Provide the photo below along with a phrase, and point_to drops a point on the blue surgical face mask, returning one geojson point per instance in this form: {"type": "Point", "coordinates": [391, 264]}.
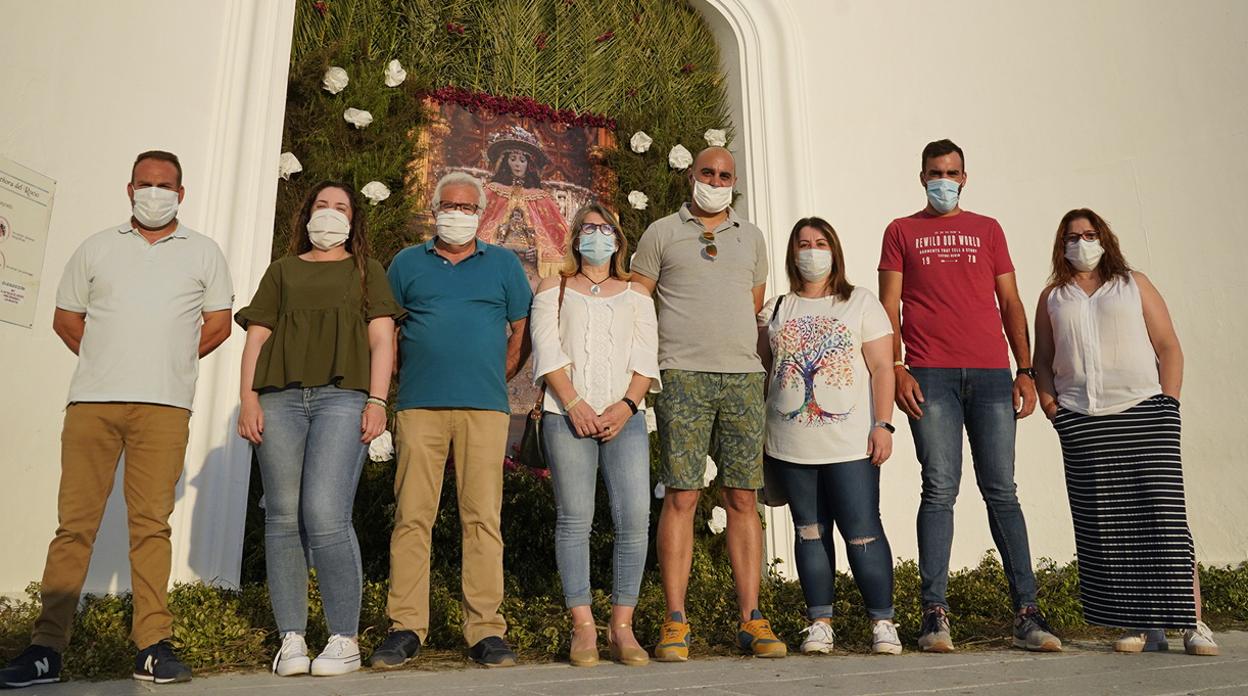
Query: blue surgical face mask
{"type": "Point", "coordinates": [596, 249]}
{"type": "Point", "coordinates": [943, 194]}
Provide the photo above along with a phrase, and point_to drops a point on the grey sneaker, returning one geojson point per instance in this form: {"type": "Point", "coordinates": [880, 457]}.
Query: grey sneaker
{"type": "Point", "coordinates": [1148, 640]}
{"type": "Point", "coordinates": [1032, 632]}
{"type": "Point", "coordinates": [934, 631]}
{"type": "Point", "coordinates": [1199, 640]}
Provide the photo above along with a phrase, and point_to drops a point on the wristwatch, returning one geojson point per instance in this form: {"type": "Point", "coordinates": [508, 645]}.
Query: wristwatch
{"type": "Point", "coordinates": [632, 405]}
{"type": "Point", "coordinates": [885, 425]}
{"type": "Point", "coordinates": [1029, 371]}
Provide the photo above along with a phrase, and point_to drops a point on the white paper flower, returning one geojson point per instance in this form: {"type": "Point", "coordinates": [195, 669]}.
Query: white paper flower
{"type": "Point", "coordinates": [659, 491]}
{"type": "Point", "coordinates": [640, 142]}
{"type": "Point", "coordinates": [395, 74]}
{"type": "Point", "coordinates": [716, 137]}
{"type": "Point", "coordinates": [719, 520]}
{"type": "Point", "coordinates": [288, 164]}
{"type": "Point", "coordinates": [357, 117]}
{"type": "Point", "coordinates": [381, 449]}
{"type": "Point", "coordinates": [638, 200]}
{"type": "Point", "coordinates": [335, 80]}
{"type": "Point", "coordinates": [375, 192]}
{"type": "Point", "coordinates": [679, 157]}
{"type": "Point", "coordinates": [710, 473]}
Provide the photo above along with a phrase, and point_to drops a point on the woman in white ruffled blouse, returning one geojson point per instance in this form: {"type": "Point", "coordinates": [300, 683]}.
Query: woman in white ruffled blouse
{"type": "Point", "coordinates": [595, 344]}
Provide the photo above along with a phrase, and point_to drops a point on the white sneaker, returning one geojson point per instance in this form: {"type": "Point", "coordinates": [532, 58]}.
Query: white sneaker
{"type": "Point", "coordinates": [292, 658]}
{"type": "Point", "coordinates": [1199, 640]}
{"type": "Point", "coordinates": [884, 640]}
{"type": "Point", "coordinates": [819, 638]}
{"type": "Point", "coordinates": [341, 656]}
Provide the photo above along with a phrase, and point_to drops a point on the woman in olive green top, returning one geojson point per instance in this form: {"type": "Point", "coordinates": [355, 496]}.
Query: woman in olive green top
{"type": "Point", "coordinates": [316, 370]}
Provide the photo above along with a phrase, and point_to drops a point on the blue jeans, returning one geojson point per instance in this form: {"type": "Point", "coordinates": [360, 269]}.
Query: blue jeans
{"type": "Point", "coordinates": [574, 464]}
{"type": "Point", "coordinates": [982, 400]}
{"type": "Point", "coordinates": [310, 462]}
{"type": "Point", "coordinates": [846, 494]}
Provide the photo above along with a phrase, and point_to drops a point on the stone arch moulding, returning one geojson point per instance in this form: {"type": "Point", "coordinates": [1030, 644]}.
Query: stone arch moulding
{"type": "Point", "coordinates": [760, 55]}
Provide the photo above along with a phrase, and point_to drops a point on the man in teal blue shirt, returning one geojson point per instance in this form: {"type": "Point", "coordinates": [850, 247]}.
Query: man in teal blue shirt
{"type": "Point", "coordinates": [465, 335]}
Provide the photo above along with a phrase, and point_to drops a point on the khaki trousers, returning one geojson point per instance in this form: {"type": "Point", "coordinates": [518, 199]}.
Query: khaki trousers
{"type": "Point", "coordinates": [153, 438]}
{"type": "Point", "coordinates": [478, 439]}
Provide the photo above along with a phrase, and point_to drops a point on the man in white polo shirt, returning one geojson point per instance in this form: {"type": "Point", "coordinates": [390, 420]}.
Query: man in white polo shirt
{"type": "Point", "coordinates": [139, 304]}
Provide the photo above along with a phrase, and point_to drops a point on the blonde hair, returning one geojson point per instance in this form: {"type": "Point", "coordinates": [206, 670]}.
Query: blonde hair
{"type": "Point", "coordinates": [572, 262]}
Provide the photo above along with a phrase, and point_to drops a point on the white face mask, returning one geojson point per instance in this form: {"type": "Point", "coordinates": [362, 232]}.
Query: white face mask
{"type": "Point", "coordinates": [814, 264]}
{"type": "Point", "coordinates": [711, 199]}
{"type": "Point", "coordinates": [328, 228]}
{"type": "Point", "coordinates": [154, 207]}
{"type": "Point", "coordinates": [456, 228]}
{"type": "Point", "coordinates": [1084, 255]}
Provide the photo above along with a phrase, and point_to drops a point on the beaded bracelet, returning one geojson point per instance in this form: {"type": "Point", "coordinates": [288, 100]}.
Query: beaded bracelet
{"type": "Point", "coordinates": [568, 406]}
{"type": "Point", "coordinates": [375, 401]}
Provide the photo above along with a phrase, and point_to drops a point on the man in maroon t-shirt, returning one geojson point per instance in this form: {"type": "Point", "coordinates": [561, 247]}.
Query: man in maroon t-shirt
{"type": "Point", "coordinates": [950, 270]}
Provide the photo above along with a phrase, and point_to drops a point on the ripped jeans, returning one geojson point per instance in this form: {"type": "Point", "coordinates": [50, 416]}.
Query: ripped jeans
{"type": "Point", "coordinates": [846, 494]}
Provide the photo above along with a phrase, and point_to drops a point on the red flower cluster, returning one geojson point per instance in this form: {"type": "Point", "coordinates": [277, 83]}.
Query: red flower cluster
{"type": "Point", "coordinates": [520, 106]}
{"type": "Point", "coordinates": [540, 41]}
{"type": "Point", "coordinates": [604, 36]}
{"type": "Point", "coordinates": [688, 68]}
{"type": "Point", "coordinates": [453, 28]}
{"type": "Point", "coordinates": [321, 7]}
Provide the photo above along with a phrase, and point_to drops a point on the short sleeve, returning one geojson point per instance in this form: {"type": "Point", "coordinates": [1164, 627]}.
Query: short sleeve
{"type": "Point", "coordinates": [267, 301]}
{"type": "Point", "coordinates": [1001, 263]}
{"type": "Point", "coordinates": [760, 259]}
{"type": "Point", "coordinates": [548, 352]}
{"type": "Point", "coordinates": [892, 255]}
{"type": "Point", "coordinates": [648, 258]}
{"type": "Point", "coordinates": [643, 357]}
{"type": "Point", "coordinates": [769, 309]}
{"type": "Point", "coordinates": [218, 287]}
{"type": "Point", "coordinates": [74, 292]}
{"type": "Point", "coordinates": [519, 293]}
{"type": "Point", "coordinates": [380, 297]}
{"type": "Point", "coordinates": [875, 321]}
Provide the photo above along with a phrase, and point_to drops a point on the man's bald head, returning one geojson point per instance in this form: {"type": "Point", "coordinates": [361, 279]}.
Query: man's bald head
{"type": "Point", "coordinates": [715, 166]}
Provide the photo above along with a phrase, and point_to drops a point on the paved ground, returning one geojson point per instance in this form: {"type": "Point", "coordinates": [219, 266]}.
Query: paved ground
{"type": "Point", "coordinates": [1085, 668]}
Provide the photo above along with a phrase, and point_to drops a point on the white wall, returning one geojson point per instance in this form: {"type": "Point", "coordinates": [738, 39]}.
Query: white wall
{"type": "Point", "coordinates": [1135, 109]}
{"type": "Point", "coordinates": [86, 87]}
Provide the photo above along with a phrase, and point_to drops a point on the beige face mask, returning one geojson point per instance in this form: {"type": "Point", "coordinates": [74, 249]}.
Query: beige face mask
{"type": "Point", "coordinates": [328, 228]}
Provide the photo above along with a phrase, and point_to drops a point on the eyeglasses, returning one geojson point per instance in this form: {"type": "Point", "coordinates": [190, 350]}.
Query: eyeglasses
{"type": "Point", "coordinates": [708, 238]}
{"type": "Point", "coordinates": [589, 228]}
{"type": "Point", "coordinates": [447, 206]}
{"type": "Point", "coordinates": [1089, 236]}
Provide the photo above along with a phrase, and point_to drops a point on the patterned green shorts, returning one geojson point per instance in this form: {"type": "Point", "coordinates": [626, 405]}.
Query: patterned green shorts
{"type": "Point", "coordinates": [720, 414]}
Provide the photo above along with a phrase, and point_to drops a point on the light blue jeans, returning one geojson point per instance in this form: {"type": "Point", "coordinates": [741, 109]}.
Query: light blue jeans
{"type": "Point", "coordinates": [310, 461]}
{"type": "Point", "coordinates": [574, 463]}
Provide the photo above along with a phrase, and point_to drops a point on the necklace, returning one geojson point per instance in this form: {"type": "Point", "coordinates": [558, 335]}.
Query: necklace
{"type": "Point", "coordinates": [595, 286]}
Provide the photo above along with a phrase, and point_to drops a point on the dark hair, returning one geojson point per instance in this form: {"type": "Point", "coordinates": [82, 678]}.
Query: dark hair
{"type": "Point", "coordinates": [157, 155]}
{"type": "Point", "coordinates": [503, 175]}
{"type": "Point", "coordinates": [357, 241]}
{"type": "Point", "coordinates": [837, 282]}
{"type": "Point", "coordinates": [572, 264]}
{"type": "Point", "coordinates": [1112, 263]}
{"type": "Point", "coordinates": [939, 148]}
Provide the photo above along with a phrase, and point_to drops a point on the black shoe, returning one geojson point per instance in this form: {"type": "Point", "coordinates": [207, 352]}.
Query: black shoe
{"type": "Point", "coordinates": [396, 650]}
{"type": "Point", "coordinates": [492, 652]}
{"type": "Point", "coordinates": [159, 665]}
{"type": "Point", "coordinates": [36, 665]}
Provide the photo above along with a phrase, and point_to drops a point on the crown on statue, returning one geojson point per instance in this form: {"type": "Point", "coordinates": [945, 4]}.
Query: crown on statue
{"type": "Point", "coordinates": [515, 137]}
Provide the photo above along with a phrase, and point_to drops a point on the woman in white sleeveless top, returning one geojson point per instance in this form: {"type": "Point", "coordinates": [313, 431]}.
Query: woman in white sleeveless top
{"type": "Point", "coordinates": [1108, 370]}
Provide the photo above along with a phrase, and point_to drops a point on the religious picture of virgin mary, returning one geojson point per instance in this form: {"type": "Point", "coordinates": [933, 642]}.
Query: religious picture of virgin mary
{"type": "Point", "coordinates": [519, 213]}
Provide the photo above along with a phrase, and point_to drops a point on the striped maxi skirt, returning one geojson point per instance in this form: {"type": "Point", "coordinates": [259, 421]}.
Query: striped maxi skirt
{"type": "Point", "coordinates": [1124, 479]}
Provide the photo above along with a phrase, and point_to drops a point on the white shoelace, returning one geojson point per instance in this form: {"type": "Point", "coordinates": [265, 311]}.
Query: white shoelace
{"type": "Point", "coordinates": [885, 632]}
{"type": "Point", "coordinates": [340, 647]}
{"type": "Point", "coordinates": [293, 645]}
{"type": "Point", "coordinates": [819, 632]}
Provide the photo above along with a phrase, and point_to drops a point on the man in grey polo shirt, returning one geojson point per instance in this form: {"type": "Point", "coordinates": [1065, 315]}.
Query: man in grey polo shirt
{"type": "Point", "coordinates": [707, 269]}
{"type": "Point", "coordinates": [139, 304]}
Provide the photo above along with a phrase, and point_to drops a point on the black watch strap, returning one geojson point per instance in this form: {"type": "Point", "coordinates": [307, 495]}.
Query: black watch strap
{"type": "Point", "coordinates": [632, 405]}
{"type": "Point", "coordinates": [1029, 371]}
